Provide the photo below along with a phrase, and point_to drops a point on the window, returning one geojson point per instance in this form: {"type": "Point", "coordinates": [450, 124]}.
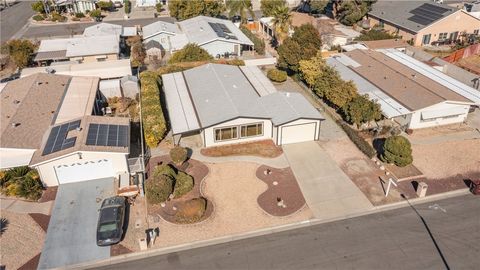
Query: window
{"type": "Point", "coordinates": [381, 24]}
{"type": "Point", "coordinates": [442, 36]}
{"type": "Point", "coordinates": [225, 134]}
{"type": "Point", "coordinates": [251, 130]}
{"type": "Point", "coordinates": [426, 39]}
{"type": "Point", "coordinates": [476, 31]}
{"type": "Point", "coordinates": [453, 36]}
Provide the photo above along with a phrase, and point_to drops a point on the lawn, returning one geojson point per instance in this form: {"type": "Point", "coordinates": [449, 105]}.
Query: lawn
{"type": "Point", "coordinates": [264, 148]}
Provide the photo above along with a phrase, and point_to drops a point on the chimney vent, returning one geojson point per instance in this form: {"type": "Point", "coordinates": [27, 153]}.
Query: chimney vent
{"type": "Point", "coordinates": [14, 124]}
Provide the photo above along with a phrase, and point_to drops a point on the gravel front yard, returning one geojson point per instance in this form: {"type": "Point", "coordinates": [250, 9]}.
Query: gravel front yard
{"type": "Point", "coordinates": [21, 241]}
{"type": "Point", "coordinates": [233, 188]}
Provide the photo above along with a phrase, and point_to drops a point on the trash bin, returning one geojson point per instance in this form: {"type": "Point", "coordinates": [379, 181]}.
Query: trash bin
{"type": "Point", "coordinates": [422, 189]}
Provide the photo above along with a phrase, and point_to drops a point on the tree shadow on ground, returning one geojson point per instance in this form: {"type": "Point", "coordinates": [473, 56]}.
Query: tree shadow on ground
{"type": "Point", "coordinates": [378, 145]}
{"type": "Point", "coordinates": [3, 225]}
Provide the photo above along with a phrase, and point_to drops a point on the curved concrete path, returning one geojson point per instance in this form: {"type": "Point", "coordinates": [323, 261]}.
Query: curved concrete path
{"type": "Point", "coordinates": [25, 207]}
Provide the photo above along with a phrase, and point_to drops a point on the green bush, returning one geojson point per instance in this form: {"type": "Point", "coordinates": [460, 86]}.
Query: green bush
{"type": "Point", "coordinates": [361, 144]}
{"type": "Point", "coordinates": [127, 6]}
{"type": "Point", "coordinates": [96, 13]}
{"type": "Point", "coordinates": [154, 125]}
{"type": "Point", "coordinates": [183, 184]}
{"type": "Point", "coordinates": [259, 44]}
{"type": "Point", "coordinates": [190, 53]}
{"type": "Point", "coordinates": [277, 75]}
{"type": "Point", "coordinates": [178, 154]}
{"type": "Point", "coordinates": [105, 5]}
{"type": "Point", "coordinates": [55, 17]}
{"type": "Point", "coordinates": [38, 17]}
{"type": "Point", "coordinates": [397, 150]}
{"type": "Point", "coordinates": [191, 211]}
{"type": "Point", "coordinates": [158, 7]}
{"type": "Point", "coordinates": [79, 15]}
{"type": "Point", "coordinates": [158, 189]}
{"type": "Point", "coordinates": [164, 169]}
{"type": "Point", "coordinates": [21, 181]}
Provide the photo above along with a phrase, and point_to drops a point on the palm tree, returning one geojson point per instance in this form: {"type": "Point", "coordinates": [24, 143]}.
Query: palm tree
{"type": "Point", "coordinates": [281, 21]}
{"type": "Point", "coordinates": [239, 7]}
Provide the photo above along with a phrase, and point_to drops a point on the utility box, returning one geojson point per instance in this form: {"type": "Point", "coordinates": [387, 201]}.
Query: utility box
{"type": "Point", "coordinates": [422, 189]}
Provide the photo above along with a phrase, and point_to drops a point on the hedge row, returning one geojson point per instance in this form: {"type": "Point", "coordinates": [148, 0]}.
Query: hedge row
{"type": "Point", "coordinates": [154, 125]}
{"type": "Point", "coordinates": [259, 45]}
{"type": "Point", "coordinates": [361, 144]}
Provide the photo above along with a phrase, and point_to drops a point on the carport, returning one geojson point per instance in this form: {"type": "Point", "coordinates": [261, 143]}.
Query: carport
{"type": "Point", "coordinates": [71, 235]}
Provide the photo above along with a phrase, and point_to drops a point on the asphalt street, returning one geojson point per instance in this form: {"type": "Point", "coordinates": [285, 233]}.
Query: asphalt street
{"type": "Point", "coordinates": [441, 235]}
{"type": "Point", "coordinates": [13, 18]}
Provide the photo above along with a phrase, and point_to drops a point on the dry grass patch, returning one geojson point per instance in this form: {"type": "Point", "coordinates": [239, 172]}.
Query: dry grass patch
{"type": "Point", "coordinates": [265, 149]}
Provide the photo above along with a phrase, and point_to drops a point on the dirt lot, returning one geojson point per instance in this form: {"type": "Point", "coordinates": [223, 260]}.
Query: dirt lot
{"type": "Point", "coordinates": [21, 241]}
{"type": "Point", "coordinates": [234, 189]}
{"type": "Point", "coordinates": [264, 148]}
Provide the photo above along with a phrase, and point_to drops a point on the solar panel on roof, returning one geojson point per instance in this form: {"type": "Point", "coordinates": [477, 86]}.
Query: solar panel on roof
{"type": "Point", "coordinates": [222, 30]}
{"type": "Point", "coordinates": [107, 135]}
{"type": "Point", "coordinates": [57, 139]}
{"type": "Point", "coordinates": [427, 13]}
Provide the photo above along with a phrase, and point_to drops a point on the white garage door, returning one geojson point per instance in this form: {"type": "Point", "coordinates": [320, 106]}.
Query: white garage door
{"type": "Point", "coordinates": [85, 170]}
{"type": "Point", "coordinates": [298, 133]}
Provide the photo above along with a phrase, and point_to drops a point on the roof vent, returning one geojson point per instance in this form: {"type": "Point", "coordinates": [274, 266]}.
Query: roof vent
{"type": "Point", "coordinates": [14, 124]}
{"type": "Point", "coordinates": [288, 94]}
{"type": "Point", "coordinates": [201, 28]}
{"type": "Point", "coordinates": [234, 86]}
{"type": "Point", "coordinates": [414, 76]}
{"type": "Point", "coordinates": [38, 83]}
{"type": "Point", "coordinates": [78, 129]}
{"type": "Point", "coordinates": [385, 77]}
{"type": "Point", "coordinates": [16, 101]}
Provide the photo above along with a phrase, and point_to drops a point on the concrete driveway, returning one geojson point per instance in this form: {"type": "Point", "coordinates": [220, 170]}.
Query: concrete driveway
{"type": "Point", "coordinates": [71, 235]}
{"type": "Point", "coordinates": [328, 191]}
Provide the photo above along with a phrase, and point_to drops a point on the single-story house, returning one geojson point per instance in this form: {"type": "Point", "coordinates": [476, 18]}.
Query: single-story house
{"type": "Point", "coordinates": [423, 23]}
{"type": "Point", "coordinates": [226, 104]}
{"type": "Point", "coordinates": [108, 29]}
{"type": "Point", "coordinates": [76, 6]}
{"type": "Point", "coordinates": [146, 3]}
{"type": "Point", "coordinates": [410, 92]}
{"type": "Point", "coordinates": [54, 123]}
{"type": "Point", "coordinates": [395, 43]}
{"type": "Point", "coordinates": [80, 49]}
{"type": "Point", "coordinates": [218, 37]}
{"type": "Point", "coordinates": [473, 8]}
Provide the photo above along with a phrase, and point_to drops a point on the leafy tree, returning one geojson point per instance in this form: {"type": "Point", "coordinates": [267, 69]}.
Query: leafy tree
{"type": "Point", "coordinates": [318, 6]}
{"type": "Point", "coordinates": [341, 94]}
{"type": "Point", "coordinates": [304, 44]}
{"type": "Point", "coordinates": [127, 5]}
{"type": "Point", "coordinates": [362, 110]}
{"type": "Point", "coordinates": [375, 35]}
{"type": "Point", "coordinates": [268, 6]}
{"type": "Point", "coordinates": [240, 7]}
{"type": "Point", "coordinates": [190, 53]}
{"type": "Point", "coordinates": [20, 51]}
{"type": "Point", "coordinates": [96, 13]}
{"type": "Point", "coordinates": [38, 7]}
{"type": "Point", "coordinates": [185, 9]}
{"type": "Point", "coordinates": [311, 69]}
{"type": "Point", "coordinates": [159, 188]}
{"type": "Point", "coordinates": [259, 44]}
{"type": "Point", "coordinates": [183, 184]}
{"type": "Point", "coordinates": [178, 154]}
{"type": "Point", "coordinates": [158, 7]}
{"type": "Point", "coordinates": [282, 19]}
{"type": "Point", "coordinates": [397, 150]}
{"type": "Point", "coordinates": [104, 5]}
{"type": "Point", "coordinates": [352, 11]}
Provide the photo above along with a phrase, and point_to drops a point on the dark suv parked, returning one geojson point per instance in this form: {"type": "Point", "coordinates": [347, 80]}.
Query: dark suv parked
{"type": "Point", "coordinates": [110, 221]}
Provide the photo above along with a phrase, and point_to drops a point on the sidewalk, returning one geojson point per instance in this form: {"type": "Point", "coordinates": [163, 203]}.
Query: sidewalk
{"type": "Point", "coordinates": [328, 191]}
{"type": "Point", "coordinates": [25, 207]}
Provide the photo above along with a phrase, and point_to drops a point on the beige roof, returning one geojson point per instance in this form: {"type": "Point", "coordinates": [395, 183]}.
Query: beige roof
{"type": "Point", "coordinates": [385, 44]}
{"type": "Point", "coordinates": [80, 144]}
{"type": "Point", "coordinates": [410, 88]}
{"type": "Point", "coordinates": [31, 103]}
{"type": "Point", "coordinates": [79, 99]}
{"type": "Point", "coordinates": [302, 18]}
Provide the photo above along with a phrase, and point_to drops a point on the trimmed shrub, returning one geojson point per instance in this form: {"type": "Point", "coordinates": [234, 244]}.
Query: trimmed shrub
{"type": "Point", "coordinates": [277, 75]}
{"type": "Point", "coordinates": [105, 5]}
{"type": "Point", "coordinates": [158, 7]}
{"type": "Point", "coordinates": [158, 189]}
{"type": "Point", "coordinates": [190, 53]}
{"type": "Point", "coordinates": [397, 150]}
{"type": "Point", "coordinates": [96, 13]}
{"type": "Point", "coordinates": [58, 17]}
{"type": "Point", "coordinates": [178, 154]}
{"type": "Point", "coordinates": [191, 211]}
{"type": "Point", "coordinates": [127, 6]}
{"type": "Point", "coordinates": [361, 144]}
{"type": "Point", "coordinates": [259, 44]}
{"type": "Point", "coordinates": [183, 184]}
{"type": "Point", "coordinates": [79, 15]}
{"type": "Point", "coordinates": [38, 17]}
{"type": "Point", "coordinates": [232, 62]}
{"type": "Point", "coordinates": [164, 169]}
{"type": "Point", "coordinates": [154, 125]}
{"type": "Point", "coordinates": [30, 187]}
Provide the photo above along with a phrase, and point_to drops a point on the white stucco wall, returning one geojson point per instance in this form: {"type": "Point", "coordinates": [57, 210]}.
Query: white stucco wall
{"type": "Point", "coordinates": [48, 174]}
{"type": "Point", "coordinates": [14, 157]}
{"type": "Point", "coordinates": [162, 38]}
{"type": "Point", "coordinates": [278, 135]}
{"type": "Point", "coordinates": [209, 135]}
{"type": "Point", "coordinates": [220, 47]}
{"type": "Point", "coordinates": [416, 121]}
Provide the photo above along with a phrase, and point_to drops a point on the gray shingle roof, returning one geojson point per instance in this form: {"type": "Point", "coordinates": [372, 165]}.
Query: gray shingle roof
{"type": "Point", "coordinates": [284, 107]}
{"type": "Point", "coordinates": [159, 27]}
{"type": "Point", "coordinates": [407, 15]}
{"type": "Point", "coordinates": [152, 44]}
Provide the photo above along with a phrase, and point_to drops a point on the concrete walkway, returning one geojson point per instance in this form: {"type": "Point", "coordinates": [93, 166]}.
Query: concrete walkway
{"type": "Point", "coordinates": [25, 207]}
{"type": "Point", "coordinates": [328, 191]}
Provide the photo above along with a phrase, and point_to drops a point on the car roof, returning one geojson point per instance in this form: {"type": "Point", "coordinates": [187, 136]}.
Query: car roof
{"type": "Point", "coordinates": [109, 214]}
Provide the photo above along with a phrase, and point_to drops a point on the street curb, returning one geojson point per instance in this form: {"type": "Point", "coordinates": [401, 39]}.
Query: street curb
{"type": "Point", "coordinates": [260, 232]}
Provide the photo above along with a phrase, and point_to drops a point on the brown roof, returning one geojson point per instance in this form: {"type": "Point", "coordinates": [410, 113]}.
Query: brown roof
{"type": "Point", "coordinates": [301, 19]}
{"type": "Point", "coordinates": [53, 55]}
{"type": "Point", "coordinates": [385, 44]}
{"type": "Point", "coordinates": [80, 143]}
{"type": "Point", "coordinates": [30, 103]}
{"type": "Point", "coordinates": [410, 88]}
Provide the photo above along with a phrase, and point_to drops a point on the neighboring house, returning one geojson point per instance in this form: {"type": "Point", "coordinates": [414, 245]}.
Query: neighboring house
{"type": "Point", "coordinates": [76, 6]}
{"type": "Point", "coordinates": [129, 86]}
{"type": "Point", "coordinates": [105, 70]}
{"type": "Point", "coordinates": [154, 50]}
{"type": "Point", "coordinates": [53, 123]}
{"type": "Point", "coordinates": [472, 8]}
{"type": "Point", "coordinates": [396, 43]}
{"type": "Point", "coordinates": [146, 3]}
{"type": "Point", "coordinates": [218, 37]}
{"type": "Point", "coordinates": [108, 29]}
{"type": "Point", "coordinates": [423, 23]}
{"type": "Point", "coordinates": [224, 104]}
{"type": "Point", "coordinates": [410, 92]}
{"type": "Point", "coordinates": [80, 49]}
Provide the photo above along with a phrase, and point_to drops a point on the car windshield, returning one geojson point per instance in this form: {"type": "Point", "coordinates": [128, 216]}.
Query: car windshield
{"type": "Point", "coordinates": [107, 227]}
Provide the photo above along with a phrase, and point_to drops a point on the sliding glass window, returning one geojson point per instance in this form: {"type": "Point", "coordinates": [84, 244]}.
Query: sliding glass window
{"type": "Point", "coordinates": [251, 130]}
{"type": "Point", "coordinates": [225, 134]}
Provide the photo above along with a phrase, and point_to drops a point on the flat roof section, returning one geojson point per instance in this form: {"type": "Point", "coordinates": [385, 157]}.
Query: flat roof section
{"type": "Point", "coordinates": [256, 77]}
{"type": "Point", "coordinates": [181, 112]}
